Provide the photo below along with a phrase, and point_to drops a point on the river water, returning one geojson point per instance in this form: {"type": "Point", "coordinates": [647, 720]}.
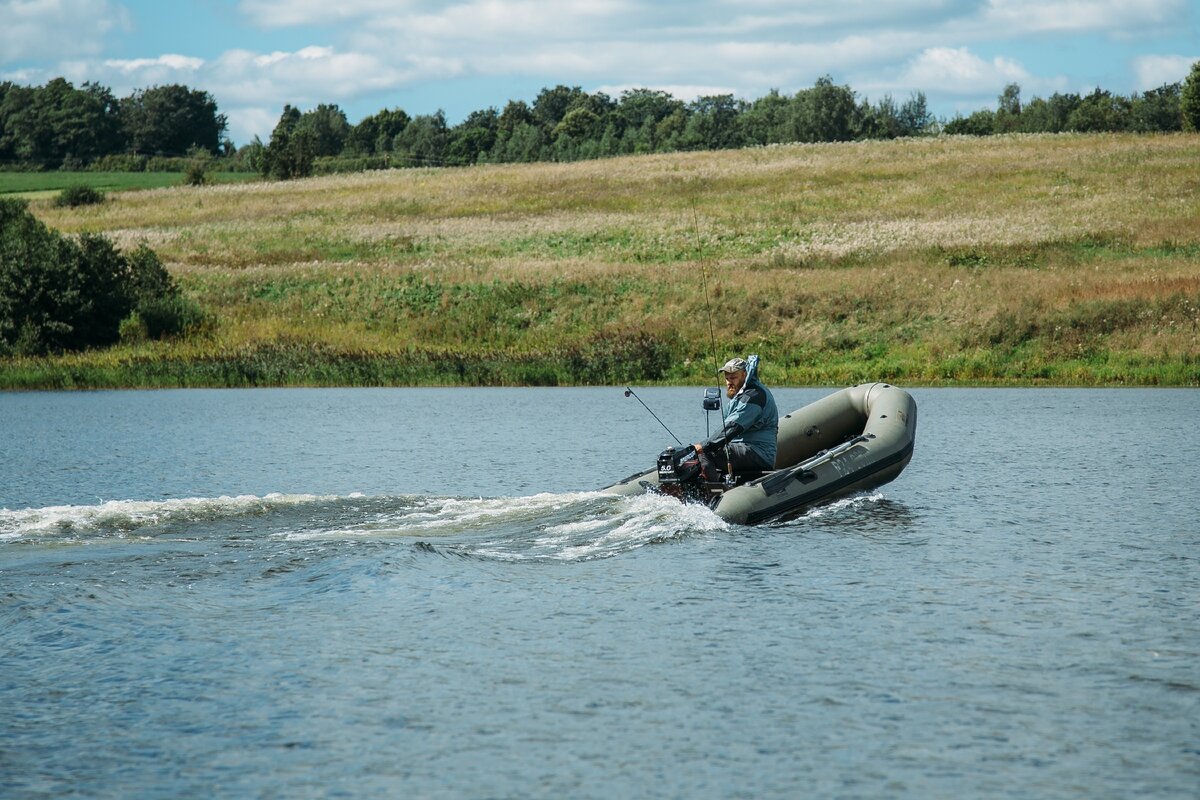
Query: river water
{"type": "Point", "coordinates": [415, 592]}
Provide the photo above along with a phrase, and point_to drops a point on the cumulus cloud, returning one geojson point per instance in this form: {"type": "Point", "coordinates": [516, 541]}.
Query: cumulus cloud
{"type": "Point", "coordinates": [958, 70]}
{"type": "Point", "coordinates": [306, 76]}
{"type": "Point", "coordinates": [1153, 71]}
{"type": "Point", "coordinates": [35, 29]}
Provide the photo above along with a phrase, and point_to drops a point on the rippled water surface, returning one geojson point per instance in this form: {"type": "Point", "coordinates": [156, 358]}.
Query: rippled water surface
{"type": "Point", "coordinates": [313, 593]}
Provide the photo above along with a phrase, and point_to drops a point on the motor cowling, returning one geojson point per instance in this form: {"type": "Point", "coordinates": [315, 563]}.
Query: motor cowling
{"type": "Point", "coordinates": [679, 471]}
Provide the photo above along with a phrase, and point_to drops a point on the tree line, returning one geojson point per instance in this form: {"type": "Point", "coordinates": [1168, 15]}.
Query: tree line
{"type": "Point", "coordinates": [58, 125]}
{"type": "Point", "coordinates": [566, 123]}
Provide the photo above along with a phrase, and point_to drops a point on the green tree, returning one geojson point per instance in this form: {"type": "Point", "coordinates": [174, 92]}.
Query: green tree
{"type": "Point", "coordinates": [1189, 99]}
{"type": "Point", "coordinates": [579, 123]}
{"type": "Point", "coordinates": [1008, 110]}
{"type": "Point", "coordinates": [551, 105]}
{"type": "Point", "coordinates": [524, 143]}
{"type": "Point", "coordinates": [423, 141]}
{"type": "Point", "coordinates": [1100, 111]}
{"type": "Point", "coordinates": [328, 128]}
{"type": "Point", "coordinates": [980, 123]}
{"type": "Point", "coordinates": [169, 120]}
{"type": "Point", "coordinates": [825, 113]}
{"type": "Point", "coordinates": [292, 149]}
{"type": "Point", "coordinates": [471, 140]}
{"type": "Point", "coordinates": [375, 134]}
{"type": "Point", "coordinates": [765, 121]}
{"type": "Point", "coordinates": [57, 123]}
{"type": "Point", "coordinates": [638, 108]}
{"type": "Point", "coordinates": [1158, 110]}
{"type": "Point", "coordinates": [713, 123]}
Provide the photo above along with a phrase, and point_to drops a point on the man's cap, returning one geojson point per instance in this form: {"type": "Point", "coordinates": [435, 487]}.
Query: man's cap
{"type": "Point", "coordinates": [734, 365]}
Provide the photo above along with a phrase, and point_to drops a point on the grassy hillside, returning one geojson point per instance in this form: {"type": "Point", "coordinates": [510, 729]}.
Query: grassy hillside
{"type": "Point", "coordinates": [1064, 259]}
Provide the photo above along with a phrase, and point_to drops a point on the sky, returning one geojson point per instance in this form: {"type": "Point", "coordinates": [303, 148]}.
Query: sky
{"type": "Point", "coordinates": [253, 56]}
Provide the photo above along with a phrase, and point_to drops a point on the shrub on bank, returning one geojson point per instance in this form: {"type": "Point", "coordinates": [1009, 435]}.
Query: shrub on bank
{"type": "Point", "coordinates": [61, 294]}
{"type": "Point", "coordinates": [79, 196]}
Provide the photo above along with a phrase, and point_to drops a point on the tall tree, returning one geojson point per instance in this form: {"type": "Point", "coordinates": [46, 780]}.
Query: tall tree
{"type": "Point", "coordinates": [1189, 99]}
{"type": "Point", "coordinates": [327, 126]}
{"type": "Point", "coordinates": [551, 105]}
{"type": "Point", "coordinates": [712, 123]}
{"type": "Point", "coordinates": [825, 113]}
{"type": "Point", "coordinates": [473, 138]}
{"type": "Point", "coordinates": [1158, 109]}
{"type": "Point", "coordinates": [423, 141]}
{"type": "Point", "coordinates": [170, 120]}
{"type": "Point", "coordinates": [56, 122]}
{"type": "Point", "coordinates": [291, 151]}
{"type": "Point", "coordinates": [375, 134]}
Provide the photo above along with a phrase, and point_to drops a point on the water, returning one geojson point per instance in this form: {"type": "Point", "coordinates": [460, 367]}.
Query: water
{"type": "Point", "coordinates": [313, 593]}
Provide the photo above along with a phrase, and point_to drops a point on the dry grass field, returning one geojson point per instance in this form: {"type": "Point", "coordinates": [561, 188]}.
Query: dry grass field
{"type": "Point", "coordinates": [1068, 259]}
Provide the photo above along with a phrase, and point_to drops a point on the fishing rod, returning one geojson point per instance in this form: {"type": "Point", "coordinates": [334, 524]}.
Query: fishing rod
{"type": "Point", "coordinates": [712, 396]}
{"type": "Point", "coordinates": [712, 336]}
{"type": "Point", "coordinates": [630, 393]}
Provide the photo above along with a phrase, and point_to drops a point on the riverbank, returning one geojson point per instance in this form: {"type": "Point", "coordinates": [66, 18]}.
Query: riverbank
{"type": "Point", "coordinates": [1022, 260]}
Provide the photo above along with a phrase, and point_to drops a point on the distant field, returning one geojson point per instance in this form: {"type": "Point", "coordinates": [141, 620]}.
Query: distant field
{"type": "Point", "coordinates": [34, 185]}
{"type": "Point", "coordinates": [1007, 260]}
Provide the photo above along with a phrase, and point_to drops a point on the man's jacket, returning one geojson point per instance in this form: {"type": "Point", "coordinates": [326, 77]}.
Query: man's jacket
{"type": "Point", "coordinates": [752, 419]}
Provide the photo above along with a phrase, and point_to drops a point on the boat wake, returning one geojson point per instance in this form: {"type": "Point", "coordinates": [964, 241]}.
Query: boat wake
{"type": "Point", "coordinates": [576, 526]}
{"type": "Point", "coordinates": [561, 527]}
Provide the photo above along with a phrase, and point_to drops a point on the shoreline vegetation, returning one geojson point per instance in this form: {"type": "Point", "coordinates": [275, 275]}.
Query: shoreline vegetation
{"type": "Point", "coordinates": [1014, 260]}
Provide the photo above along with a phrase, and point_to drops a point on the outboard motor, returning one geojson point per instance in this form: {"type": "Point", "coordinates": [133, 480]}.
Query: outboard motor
{"type": "Point", "coordinates": [679, 473]}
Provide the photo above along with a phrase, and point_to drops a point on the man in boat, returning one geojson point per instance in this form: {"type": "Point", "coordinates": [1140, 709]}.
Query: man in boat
{"type": "Point", "coordinates": [746, 442]}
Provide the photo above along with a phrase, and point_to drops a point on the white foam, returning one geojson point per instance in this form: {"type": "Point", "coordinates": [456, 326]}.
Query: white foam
{"type": "Point", "coordinates": [441, 515]}
{"type": "Point", "coordinates": [846, 502]}
{"type": "Point", "coordinates": [123, 516]}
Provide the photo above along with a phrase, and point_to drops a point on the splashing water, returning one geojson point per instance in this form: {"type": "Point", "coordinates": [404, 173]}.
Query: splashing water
{"type": "Point", "coordinates": [568, 527]}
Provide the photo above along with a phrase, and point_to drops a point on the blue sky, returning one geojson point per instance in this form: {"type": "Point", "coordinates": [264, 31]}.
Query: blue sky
{"type": "Point", "coordinates": [254, 56]}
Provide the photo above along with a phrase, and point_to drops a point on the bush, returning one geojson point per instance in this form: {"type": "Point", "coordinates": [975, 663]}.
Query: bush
{"type": "Point", "coordinates": [119, 162]}
{"type": "Point", "coordinates": [196, 173]}
{"type": "Point", "coordinates": [65, 294]}
{"type": "Point", "coordinates": [169, 316]}
{"type": "Point", "coordinates": [133, 329]}
{"type": "Point", "coordinates": [79, 196]}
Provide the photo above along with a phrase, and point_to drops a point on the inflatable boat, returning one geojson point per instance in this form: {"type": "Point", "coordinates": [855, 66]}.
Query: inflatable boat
{"type": "Point", "coordinates": [851, 441]}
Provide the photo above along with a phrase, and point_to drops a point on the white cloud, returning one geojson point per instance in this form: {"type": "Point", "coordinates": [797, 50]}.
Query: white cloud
{"type": "Point", "coordinates": [1153, 71]}
{"type": "Point", "coordinates": [33, 29]}
{"type": "Point", "coordinates": [958, 70]}
{"type": "Point", "coordinates": [685, 92]}
{"type": "Point", "coordinates": [246, 122]}
{"type": "Point", "coordinates": [285, 13]}
{"type": "Point", "coordinates": [306, 76]}
{"type": "Point", "coordinates": [470, 19]}
{"type": "Point", "coordinates": [167, 62]}
{"type": "Point", "coordinates": [1117, 17]}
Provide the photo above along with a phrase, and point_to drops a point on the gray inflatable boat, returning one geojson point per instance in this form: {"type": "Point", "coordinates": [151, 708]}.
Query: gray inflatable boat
{"type": "Point", "coordinates": [850, 441]}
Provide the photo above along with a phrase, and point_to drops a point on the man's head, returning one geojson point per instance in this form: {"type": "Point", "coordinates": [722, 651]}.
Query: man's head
{"type": "Point", "coordinates": [734, 373]}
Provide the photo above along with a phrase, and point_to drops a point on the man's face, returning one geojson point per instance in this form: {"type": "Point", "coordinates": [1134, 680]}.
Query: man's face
{"type": "Point", "coordinates": [733, 383]}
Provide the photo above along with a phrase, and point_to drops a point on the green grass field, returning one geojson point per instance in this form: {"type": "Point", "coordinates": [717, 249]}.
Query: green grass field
{"type": "Point", "coordinates": [1011, 260]}
{"type": "Point", "coordinates": [35, 185]}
